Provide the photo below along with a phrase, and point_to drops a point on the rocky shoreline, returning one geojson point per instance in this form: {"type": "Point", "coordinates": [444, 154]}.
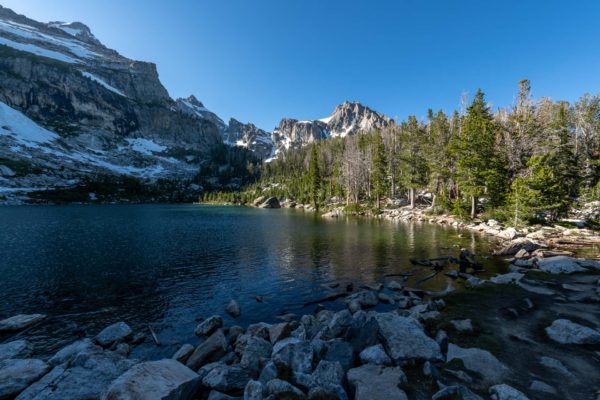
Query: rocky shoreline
{"type": "Point", "coordinates": [388, 342]}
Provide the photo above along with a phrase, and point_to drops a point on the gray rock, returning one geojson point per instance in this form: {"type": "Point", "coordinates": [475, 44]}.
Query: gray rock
{"type": "Point", "coordinates": [18, 374]}
{"type": "Point", "coordinates": [227, 378]}
{"type": "Point", "coordinates": [375, 355]}
{"type": "Point", "coordinates": [455, 392]}
{"type": "Point", "coordinates": [542, 387]}
{"type": "Point", "coordinates": [566, 265]}
{"type": "Point", "coordinates": [555, 365]}
{"type": "Point", "coordinates": [268, 373]}
{"type": "Point", "coordinates": [184, 352]}
{"type": "Point", "coordinates": [354, 306]}
{"type": "Point", "coordinates": [155, 380]}
{"type": "Point", "coordinates": [340, 322]}
{"type": "Point", "coordinates": [284, 390]}
{"type": "Point", "coordinates": [279, 331]}
{"type": "Point", "coordinates": [254, 391]}
{"type": "Point", "coordinates": [209, 325]}
{"type": "Point", "coordinates": [376, 382]}
{"type": "Point", "coordinates": [294, 356]}
{"type": "Point", "coordinates": [505, 392]}
{"type": "Point", "coordinates": [568, 332]}
{"type": "Point", "coordinates": [233, 309]}
{"type": "Point", "coordinates": [327, 392]}
{"type": "Point", "coordinates": [123, 349]}
{"type": "Point", "coordinates": [15, 349]}
{"type": "Point", "coordinates": [385, 298]}
{"type": "Point", "coordinates": [255, 351]}
{"type": "Point", "coordinates": [20, 322]}
{"type": "Point", "coordinates": [479, 361]}
{"type": "Point", "coordinates": [405, 340]}
{"type": "Point", "coordinates": [462, 325]}
{"type": "Point", "coordinates": [363, 332]}
{"type": "Point", "coordinates": [212, 348]}
{"type": "Point", "coordinates": [328, 372]}
{"type": "Point", "coordinates": [260, 329]}
{"type": "Point", "coordinates": [87, 375]}
{"type": "Point", "coordinates": [114, 333]}
{"type": "Point", "coordinates": [340, 351]}
{"type": "Point", "coordinates": [67, 353]}
{"type": "Point", "coordinates": [516, 245]}
{"type": "Point", "coordinates": [366, 298]}
{"type": "Point", "coordinates": [511, 277]}
{"type": "Point", "coordinates": [394, 285]}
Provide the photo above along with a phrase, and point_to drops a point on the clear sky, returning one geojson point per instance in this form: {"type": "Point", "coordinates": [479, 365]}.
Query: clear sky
{"type": "Point", "coordinates": [261, 60]}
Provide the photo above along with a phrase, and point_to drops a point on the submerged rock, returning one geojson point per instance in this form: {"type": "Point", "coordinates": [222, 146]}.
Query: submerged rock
{"type": "Point", "coordinates": [405, 339]}
{"type": "Point", "coordinates": [15, 349]}
{"type": "Point", "coordinates": [567, 332]}
{"type": "Point", "coordinates": [155, 380]}
{"type": "Point", "coordinates": [505, 392]}
{"type": "Point", "coordinates": [17, 374]}
{"type": "Point", "coordinates": [480, 361]}
{"type": "Point", "coordinates": [233, 309]}
{"type": "Point", "coordinates": [209, 325]}
{"type": "Point", "coordinates": [114, 333]}
{"type": "Point", "coordinates": [462, 325]}
{"type": "Point", "coordinates": [511, 277]}
{"type": "Point", "coordinates": [19, 322]}
{"type": "Point", "coordinates": [555, 365]}
{"type": "Point", "coordinates": [376, 382]}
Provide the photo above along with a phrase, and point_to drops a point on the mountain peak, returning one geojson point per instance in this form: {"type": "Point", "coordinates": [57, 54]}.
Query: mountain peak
{"type": "Point", "coordinates": [76, 29]}
{"type": "Point", "coordinates": [194, 101]}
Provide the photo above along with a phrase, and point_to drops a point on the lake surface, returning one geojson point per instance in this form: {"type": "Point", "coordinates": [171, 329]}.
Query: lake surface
{"type": "Point", "coordinates": [165, 265]}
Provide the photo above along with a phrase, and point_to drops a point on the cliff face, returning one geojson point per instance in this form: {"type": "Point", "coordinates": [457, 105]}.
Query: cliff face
{"type": "Point", "coordinates": [110, 114]}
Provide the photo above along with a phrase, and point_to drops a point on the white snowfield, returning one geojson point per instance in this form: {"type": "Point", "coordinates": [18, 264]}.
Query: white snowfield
{"type": "Point", "coordinates": [102, 83]}
{"type": "Point", "coordinates": [25, 136]}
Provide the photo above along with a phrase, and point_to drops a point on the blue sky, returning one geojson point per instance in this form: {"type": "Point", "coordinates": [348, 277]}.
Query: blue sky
{"type": "Point", "coordinates": [261, 60]}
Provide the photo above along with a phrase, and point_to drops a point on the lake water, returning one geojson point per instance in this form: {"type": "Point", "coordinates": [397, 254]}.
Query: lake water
{"type": "Point", "coordinates": [165, 265]}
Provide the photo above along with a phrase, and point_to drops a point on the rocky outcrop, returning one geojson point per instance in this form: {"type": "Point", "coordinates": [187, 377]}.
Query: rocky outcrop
{"type": "Point", "coordinates": [249, 136]}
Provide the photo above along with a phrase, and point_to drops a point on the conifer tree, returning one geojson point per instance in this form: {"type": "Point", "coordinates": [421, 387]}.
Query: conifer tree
{"type": "Point", "coordinates": [314, 176]}
{"type": "Point", "coordinates": [379, 169]}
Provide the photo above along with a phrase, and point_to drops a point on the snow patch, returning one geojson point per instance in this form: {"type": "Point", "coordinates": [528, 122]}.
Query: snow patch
{"type": "Point", "coordinates": [26, 132]}
{"type": "Point", "coordinates": [38, 51]}
{"type": "Point", "coordinates": [326, 119]}
{"type": "Point", "coordinates": [102, 83]}
{"type": "Point", "coordinates": [145, 146]}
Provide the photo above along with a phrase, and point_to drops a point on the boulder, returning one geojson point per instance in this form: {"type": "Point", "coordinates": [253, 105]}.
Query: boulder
{"type": "Point", "coordinates": [516, 245]}
{"type": "Point", "coordinates": [284, 390]}
{"type": "Point", "coordinates": [505, 392]}
{"type": "Point", "coordinates": [405, 339]}
{"type": "Point", "coordinates": [375, 355]}
{"type": "Point", "coordinates": [327, 392]}
{"type": "Point", "coordinates": [233, 309]}
{"type": "Point", "coordinates": [212, 348]}
{"type": "Point", "coordinates": [340, 322]}
{"type": "Point", "coordinates": [19, 322]}
{"type": "Point", "coordinates": [479, 361]}
{"type": "Point", "coordinates": [566, 265]}
{"type": "Point", "coordinates": [455, 392]}
{"type": "Point", "coordinates": [294, 356]}
{"type": "Point", "coordinates": [260, 329]}
{"type": "Point", "coordinates": [365, 298]}
{"type": "Point", "coordinates": [341, 352]}
{"type": "Point", "coordinates": [87, 375]}
{"type": "Point", "coordinates": [254, 390]}
{"type": "Point", "coordinates": [255, 351]}
{"type": "Point", "coordinates": [511, 277]}
{"type": "Point", "coordinates": [155, 380]}
{"type": "Point", "coordinates": [279, 331]}
{"type": "Point", "coordinates": [462, 325]}
{"type": "Point", "coordinates": [15, 349]}
{"type": "Point", "coordinates": [567, 332]}
{"type": "Point", "coordinates": [268, 373]}
{"type": "Point", "coordinates": [67, 353]}
{"type": "Point", "coordinates": [271, 202]}
{"type": "Point", "coordinates": [209, 325]}
{"type": "Point", "coordinates": [17, 374]}
{"type": "Point", "coordinates": [114, 333]}
{"type": "Point", "coordinates": [227, 378]}
{"type": "Point", "coordinates": [376, 382]}
{"type": "Point", "coordinates": [258, 201]}
{"type": "Point", "coordinates": [184, 352]}
{"type": "Point", "coordinates": [394, 285]}
{"type": "Point", "coordinates": [328, 373]}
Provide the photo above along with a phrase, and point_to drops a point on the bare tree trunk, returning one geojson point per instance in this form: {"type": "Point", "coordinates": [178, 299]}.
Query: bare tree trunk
{"type": "Point", "coordinates": [412, 198]}
{"type": "Point", "coordinates": [473, 206]}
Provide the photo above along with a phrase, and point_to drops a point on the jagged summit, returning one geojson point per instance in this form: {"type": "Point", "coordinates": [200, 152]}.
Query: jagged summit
{"type": "Point", "coordinates": [78, 30]}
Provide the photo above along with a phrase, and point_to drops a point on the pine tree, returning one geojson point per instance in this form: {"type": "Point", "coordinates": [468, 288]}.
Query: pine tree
{"type": "Point", "coordinates": [314, 177]}
{"type": "Point", "coordinates": [477, 165]}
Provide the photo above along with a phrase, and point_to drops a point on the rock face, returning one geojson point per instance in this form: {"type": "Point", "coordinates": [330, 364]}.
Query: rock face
{"type": "Point", "coordinates": [347, 119]}
{"type": "Point", "coordinates": [568, 332]}
{"type": "Point", "coordinates": [68, 101]}
{"type": "Point", "coordinates": [404, 339]}
{"type": "Point", "coordinates": [17, 374]}
{"type": "Point", "coordinates": [19, 322]}
{"type": "Point", "coordinates": [249, 136]}
{"type": "Point", "coordinates": [375, 382]}
{"type": "Point", "coordinates": [155, 380]}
